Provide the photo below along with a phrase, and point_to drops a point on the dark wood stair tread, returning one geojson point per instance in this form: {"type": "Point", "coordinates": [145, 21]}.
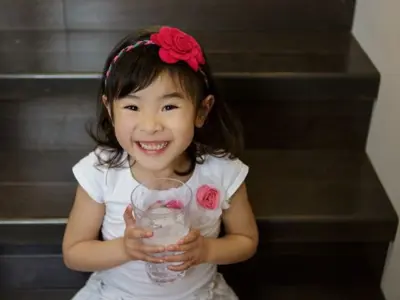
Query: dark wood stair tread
{"type": "Point", "coordinates": [296, 195]}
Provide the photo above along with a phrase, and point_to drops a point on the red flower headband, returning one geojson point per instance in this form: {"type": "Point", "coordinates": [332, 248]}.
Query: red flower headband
{"type": "Point", "coordinates": [175, 45]}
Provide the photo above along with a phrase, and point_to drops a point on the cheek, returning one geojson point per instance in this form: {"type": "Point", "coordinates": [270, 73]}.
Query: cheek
{"type": "Point", "coordinates": [123, 128]}
{"type": "Point", "coordinates": [182, 125]}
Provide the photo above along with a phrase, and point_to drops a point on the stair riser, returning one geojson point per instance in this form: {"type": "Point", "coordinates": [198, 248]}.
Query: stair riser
{"type": "Point", "coordinates": [37, 272]}
{"type": "Point", "coordinates": [273, 124]}
{"type": "Point", "coordinates": [356, 264]}
{"type": "Point", "coordinates": [305, 124]}
{"type": "Point", "coordinates": [125, 14]}
{"type": "Point", "coordinates": [51, 121]}
{"type": "Point", "coordinates": [279, 231]}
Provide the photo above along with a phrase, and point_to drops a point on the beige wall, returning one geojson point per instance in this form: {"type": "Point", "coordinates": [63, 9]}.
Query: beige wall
{"type": "Point", "coordinates": [377, 28]}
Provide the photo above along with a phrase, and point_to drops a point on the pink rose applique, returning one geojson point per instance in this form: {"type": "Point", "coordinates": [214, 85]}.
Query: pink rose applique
{"type": "Point", "coordinates": [175, 204]}
{"type": "Point", "coordinates": [208, 197]}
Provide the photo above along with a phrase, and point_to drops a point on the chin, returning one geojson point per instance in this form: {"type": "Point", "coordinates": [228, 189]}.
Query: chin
{"type": "Point", "coordinates": [157, 162]}
{"type": "Point", "coordinates": [152, 165]}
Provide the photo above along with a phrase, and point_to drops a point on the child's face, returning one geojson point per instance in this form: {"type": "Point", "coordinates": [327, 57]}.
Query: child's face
{"type": "Point", "coordinates": [155, 125]}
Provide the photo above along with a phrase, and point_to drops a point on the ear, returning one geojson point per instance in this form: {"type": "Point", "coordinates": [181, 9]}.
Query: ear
{"type": "Point", "coordinates": [107, 105]}
{"type": "Point", "coordinates": [204, 109]}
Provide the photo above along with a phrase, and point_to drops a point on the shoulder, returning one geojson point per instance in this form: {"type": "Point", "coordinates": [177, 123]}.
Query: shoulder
{"type": "Point", "coordinates": [92, 162]}
{"type": "Point", "coordinates": [91, 172]}
{"type": "Point", "coordinates": [230, 173]}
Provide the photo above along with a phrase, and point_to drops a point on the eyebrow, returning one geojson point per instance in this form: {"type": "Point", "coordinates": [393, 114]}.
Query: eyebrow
{"type": "Point", "coordinates": [163, 97]}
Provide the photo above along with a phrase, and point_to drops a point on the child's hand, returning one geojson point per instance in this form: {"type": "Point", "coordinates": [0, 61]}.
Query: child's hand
{"type": "Point", "coordinates": [134, 246]}
{"type": "Point", "coordinates": [194, 248]}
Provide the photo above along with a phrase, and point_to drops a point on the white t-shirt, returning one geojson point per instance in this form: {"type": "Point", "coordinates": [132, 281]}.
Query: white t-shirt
{"type": "Point", "coordinates": [113, 187]}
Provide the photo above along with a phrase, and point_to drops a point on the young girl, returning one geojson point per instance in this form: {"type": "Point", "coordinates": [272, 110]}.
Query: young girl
{"type": "Point", "coordinates": [160, 117]}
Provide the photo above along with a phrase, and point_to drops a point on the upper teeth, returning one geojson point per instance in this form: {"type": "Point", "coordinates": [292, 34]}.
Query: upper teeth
{"type": "Point", "coordinates": [153, 146]}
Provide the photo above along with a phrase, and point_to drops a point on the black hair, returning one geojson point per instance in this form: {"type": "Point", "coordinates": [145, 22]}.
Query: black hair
{"type": "Point", "coordinates": [221, 134]}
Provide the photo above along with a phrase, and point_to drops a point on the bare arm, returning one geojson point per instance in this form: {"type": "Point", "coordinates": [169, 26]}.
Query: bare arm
{"type": "Point", "coordinates": [82, 250]}
{"type": "Point", "coordinates": [241, 239]}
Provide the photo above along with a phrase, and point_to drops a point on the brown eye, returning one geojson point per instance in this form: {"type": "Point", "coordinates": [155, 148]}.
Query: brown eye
{"type": "Point", "coordinates": [132, 107]}
{"type": "Point", "coordinates": [169, 107]}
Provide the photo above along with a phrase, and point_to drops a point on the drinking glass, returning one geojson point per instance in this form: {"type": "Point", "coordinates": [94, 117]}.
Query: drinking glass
{"type": "Point", "coordinates": [162, 206]}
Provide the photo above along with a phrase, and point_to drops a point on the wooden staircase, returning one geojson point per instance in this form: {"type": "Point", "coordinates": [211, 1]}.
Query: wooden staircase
{"type": "Point", "coordinates": [291, 69]}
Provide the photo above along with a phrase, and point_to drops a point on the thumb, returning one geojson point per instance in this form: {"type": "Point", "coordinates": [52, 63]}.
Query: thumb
{"type": "Point", "coordinates": [128, 217]}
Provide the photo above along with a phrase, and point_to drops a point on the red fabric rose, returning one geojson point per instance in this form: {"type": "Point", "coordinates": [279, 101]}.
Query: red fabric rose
{"type": "Point", "coordinates": [208, 197]}
{"type": "Point", "coordinates": [175, 45]}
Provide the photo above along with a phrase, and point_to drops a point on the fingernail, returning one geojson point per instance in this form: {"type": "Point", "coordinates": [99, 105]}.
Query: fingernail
{"type": "Point", "coordinates": [149, 233]}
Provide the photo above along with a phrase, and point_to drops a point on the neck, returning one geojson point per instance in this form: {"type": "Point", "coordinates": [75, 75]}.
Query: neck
{"type": "Point", "coordinates": [142, 174]}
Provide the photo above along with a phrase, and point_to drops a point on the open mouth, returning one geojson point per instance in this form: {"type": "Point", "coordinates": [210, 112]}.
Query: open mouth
{"type": "Point", "coordinates": [152, 147]}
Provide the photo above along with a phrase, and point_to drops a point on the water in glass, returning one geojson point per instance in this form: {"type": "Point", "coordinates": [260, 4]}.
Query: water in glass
{"type": "Point", "coordinates": [162, 206]}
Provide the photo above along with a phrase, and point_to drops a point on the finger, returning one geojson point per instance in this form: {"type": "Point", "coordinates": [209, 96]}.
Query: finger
{"type": "Point", "coordinates": [137, 233]}
{"type": "Point", "coordinates": [178, 258]}
{"type": "Point", "coordinates": [128, 217]}
{"type": "Point", "coordinates": [191, 237]}
{"type": "Point", "coordinates": [153, 259]}
{"type": "Point", "coordinates": [151, 249]}
{"type": "Point", "coordinates": [144, 257]}
{"type": "Point", "coordinates": [182, 267]}
{"type": "Point", "coordinates": [183, 247]}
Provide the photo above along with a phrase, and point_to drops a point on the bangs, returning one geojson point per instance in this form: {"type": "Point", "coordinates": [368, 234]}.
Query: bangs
{"type": "Point", "coordinates": [137, 69]}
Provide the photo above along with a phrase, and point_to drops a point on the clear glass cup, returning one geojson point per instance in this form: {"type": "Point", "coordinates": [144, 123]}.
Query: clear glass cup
{"type": "Point", "coordinates": [162, 206]}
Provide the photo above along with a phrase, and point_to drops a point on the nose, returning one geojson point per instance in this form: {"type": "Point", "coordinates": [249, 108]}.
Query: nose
{"type": "Point", "coordinates": [150, 123]}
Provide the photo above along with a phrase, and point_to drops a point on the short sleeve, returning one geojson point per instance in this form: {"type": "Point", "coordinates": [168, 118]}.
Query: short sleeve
{"type": "Point", "coordinates": [230, 173]}
{"type": "Point", "coordinates": [234, 174]}
{"type": "Point", "coordinates": [90, 176]}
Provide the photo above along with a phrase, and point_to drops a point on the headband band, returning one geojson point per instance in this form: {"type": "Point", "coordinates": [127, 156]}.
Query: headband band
{"type": "Point", "coordinates": [175, 45]}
